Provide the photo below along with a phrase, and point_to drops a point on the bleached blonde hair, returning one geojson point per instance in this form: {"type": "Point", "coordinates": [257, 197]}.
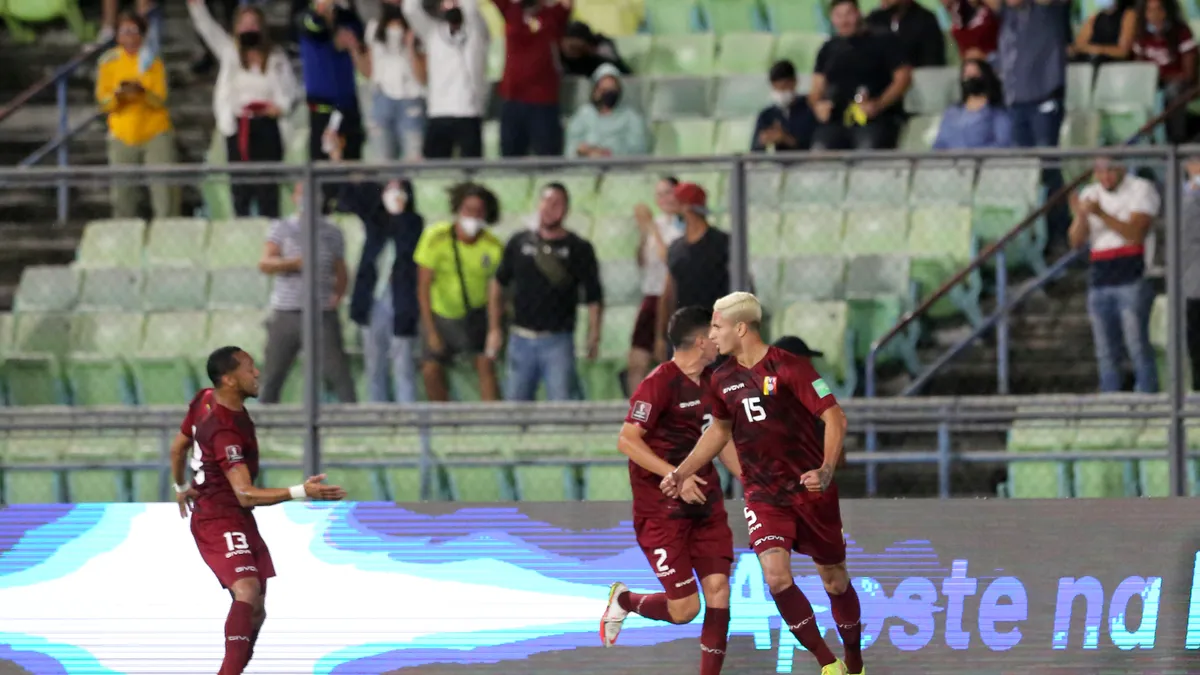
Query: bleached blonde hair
{"type": "Point", "coordinates": [740, 307]}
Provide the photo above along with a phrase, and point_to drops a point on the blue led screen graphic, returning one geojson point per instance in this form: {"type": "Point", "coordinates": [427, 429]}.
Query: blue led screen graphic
{"type": "Point", "coordinates": [1086, 586]}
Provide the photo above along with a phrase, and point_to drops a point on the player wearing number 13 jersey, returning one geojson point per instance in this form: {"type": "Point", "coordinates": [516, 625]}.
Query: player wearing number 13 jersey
{"type": "Point", "coordinates": [667, 414]}
{"type": "Point", "coordinates": [224, 462]}
{"type": "Point", "coordinates": [771, 403]}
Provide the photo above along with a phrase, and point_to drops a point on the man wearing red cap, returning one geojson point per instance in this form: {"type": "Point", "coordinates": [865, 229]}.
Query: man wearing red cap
{"type": "Point", "coordinates": [698, 263]}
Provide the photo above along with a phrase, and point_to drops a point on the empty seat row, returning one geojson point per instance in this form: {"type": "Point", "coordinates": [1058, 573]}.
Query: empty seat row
{"type": "Point", "coordinates": [61, 288]}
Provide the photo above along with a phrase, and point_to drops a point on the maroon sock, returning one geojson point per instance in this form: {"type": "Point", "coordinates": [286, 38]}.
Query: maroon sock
{"type": "Point", "coordinates": [239, 626]}
{"type": "Point", "coordinates": [713, 637]}
{"type": "Point", "coordinates": [253, 641]}
{"type": "Point", "coordinates": [652, 606]}
{"type": "Point", "coordinates": [798, 614]}
{"type": "Point", "coordinates": [847, 614]}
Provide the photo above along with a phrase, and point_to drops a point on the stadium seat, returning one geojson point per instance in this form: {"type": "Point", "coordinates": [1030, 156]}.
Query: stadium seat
{"type": "Point", "coordinates": [238, 288]}
{"type": "Point", "coordinates": [237, 243]}
{"type": "Point", "coordinates": [475, 462]}
{"type": "Point", "coordinates": [815, 183]}
{"type": "Point", "coordinates": [582, 186]}
{"type": "Point", "coordinates": [734, 136]}
{"type": "Point", "coordinates": [875, 231]}
{"type": "Point", "coordinates": [933, 90]}
{"type": "Point", "coordinates": [47, 288]}
{"type": "Point", "coordinates": [281, 458]}
{"type": "Point", "coordinates": [7, 325]}
{"type": "Point", "coordinates": [745, 54]}
{"type": "Point", "coordinates": [1005, 193]}
{"type": "Point", "coordinates": [942, 182]}
{"type": "Point", "coordinates": [179, 242]}
{"type": "Point", "coordinates": [615, 238]}
{"type": "Point", "coordinates": [162, 366]}
{"type": "Point", "coordinates": [543, 469]}
{"type": "Point", "coordinates": [362, 483]}
{"type": "Point", "coordinates": [1080, 77]}
{"type": "Point", "coordinates": [940, 243]}
{"type": "Point", "coordinates": [174, 289]}
{"type": "Point", "coordinates": [729, 16]}
{"type": "Point", "coordinates": [684, 138]}
{"type": "Point", "coordinates": [792, 16]}
{"type": "Point", "coordinates": [672, 17]}
{"type": "Point", "coordinates": [812, 230]}
{"type": "Point", "coordinates": [882, 183]}
{"type": "Point", "coordinates": [763, 233]}
{"type": "Point", "coordinates": [825, 326]}
{"type": "Point", "coordinates": [431, 191]}
{"type": "Point", "coordinates": [683, 55]}
{"type": "Point", "coordinates": [110, 289]}
{"type": "Point", "coordinates": [676, 97]}
{"type": "Point", "coordinates": [574, 92]}
{"type": "Point", "coordinates": [635, 50]}
{"type": "Point", "coordinates": [879, 289]}
{"type": "Point", "coordinates": [30, 485]}
{"type": "Point", "coordinates": [606, 475]}
{"type": "Point", "coordinates": [491, 139]}
{"type": "Point", "coordinates": [741, 96]}
{"type": "Point", "coordinates": [1101, 479]}
{"type": "Point", "coordinates": [96, 484]}
{"type": "Point", "coordinates": [1080, 129]}
{"type": "Point", "coordinates": [814, 277]}
{"type": "Point", "coordinates": [763, 185]}
{"type": "Point", "coordinates": [920, 133]}
{"type": "Point", "coordinates": [765, 274]}
{"type": "Point", "coordinates": [1126, 95]}
{"type": "Point", "coordinates": [515, 192]}
{"type": "Point", "coordinates": [112, 243]}
{"type": "Point", "coordinates": [1039, 480]}
{"type": "Point", "coordinates": [621, 279]}
{"type": "Point", "coordinates": [95, 366]}
{"type": "Point", "coordinates": [245, 328]}
{"type": "Point", "coordinates": [620, 191]}
{"type": "Point", "coordinates": [800, 48]}
{"type": "Point", "coordinates": [402, 475]}
{"type": "Point", "coordinates": [495, 58]}
{"type": "Point", "coordinates": [32, 370]}
{"type": "Point", "coordinates": [150, 448]}
{"type": "Point", "coordinates": [1154, 474]}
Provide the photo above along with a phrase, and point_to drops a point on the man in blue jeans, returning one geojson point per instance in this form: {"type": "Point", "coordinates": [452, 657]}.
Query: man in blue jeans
{"type": "Point", "coordinates": [1113, 217]}
{"type": "Point", "coordinates": [547, 272]}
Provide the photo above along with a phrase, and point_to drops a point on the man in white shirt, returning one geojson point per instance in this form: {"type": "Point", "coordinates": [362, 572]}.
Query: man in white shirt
{"type": "Point", "coordinates": [456, 43]}
{"type": "Point", "coordinates": [1113, 216]}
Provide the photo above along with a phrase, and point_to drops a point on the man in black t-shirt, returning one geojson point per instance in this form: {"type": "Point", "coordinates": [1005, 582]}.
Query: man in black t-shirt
{"type": "Point", "coordinates": [858, 85]}
{"type": "Point", "coordinates": [697, 262]}
{"type": "Point", "coordinates": [547, 272]}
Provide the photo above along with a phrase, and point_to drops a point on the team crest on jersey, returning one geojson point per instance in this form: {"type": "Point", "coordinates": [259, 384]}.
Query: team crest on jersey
{"type": "Point", "coordinates": [770, 383]}
{"type": "Point", "coordinates": [233, 453]}
{"type": "Point", "coordinates": [641, 411]}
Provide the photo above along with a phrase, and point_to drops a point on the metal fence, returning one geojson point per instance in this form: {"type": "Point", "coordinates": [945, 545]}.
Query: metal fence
{"type": "Point", "coordinates": [839, 247]}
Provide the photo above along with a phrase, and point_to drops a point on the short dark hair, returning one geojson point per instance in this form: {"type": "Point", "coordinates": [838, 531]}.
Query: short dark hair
{"type": "Point", "coordinates": [685, 323]}
{"type": "Point", "coordinates": [782, 70]}
{"type": "Point", "coordinates": [562, 189]}
{"type": "Point", "coordinates": [222, 362]}
{"type": "Point", "coordinates": [464, 191]}
{"type": "Point", "coordinates": [135, 19]}
{"type": "Point", "coordinates": [670, 180]}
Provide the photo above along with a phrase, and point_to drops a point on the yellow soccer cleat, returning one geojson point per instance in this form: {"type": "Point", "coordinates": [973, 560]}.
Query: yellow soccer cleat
{"type": "Point", "coordinates": [835, 668]}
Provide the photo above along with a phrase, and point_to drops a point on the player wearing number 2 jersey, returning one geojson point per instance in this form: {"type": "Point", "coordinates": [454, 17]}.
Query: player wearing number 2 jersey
{"type": "Point", "coordinates": [667, 414]}
{"type": "Point", "coordinates": [770, 402]}
{"type": "Point", "coordinates": [224, 462]}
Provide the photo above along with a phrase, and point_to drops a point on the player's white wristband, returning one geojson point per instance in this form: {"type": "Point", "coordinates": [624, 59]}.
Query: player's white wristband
{"type": "Point", "coordinates": [180, 488]}
{"type": "Point", "coordinates": [297, 492]}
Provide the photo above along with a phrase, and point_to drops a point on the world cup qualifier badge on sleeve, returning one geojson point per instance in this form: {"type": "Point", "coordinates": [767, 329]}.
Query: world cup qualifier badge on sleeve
{"type": "Point", "coordinates": [821, 388]}
{"type": "Point", "coordinates": [233, 453]}
{"type": "Point", "coordinates": [641, 411]}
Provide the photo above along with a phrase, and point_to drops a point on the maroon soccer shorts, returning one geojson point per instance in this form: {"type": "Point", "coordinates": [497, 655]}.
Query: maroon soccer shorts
{"type": "Point", "coordinates": [676, 546]}
{"type": "Point", "coordinates": [232, 548]}
{"type": "Point", "coordinates": [813, 529]}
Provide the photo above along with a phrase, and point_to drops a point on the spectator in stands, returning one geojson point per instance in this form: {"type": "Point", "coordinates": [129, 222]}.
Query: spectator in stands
{"type": "Point", "coordinates": [387, 312]}
{"type": "Point", "coordinates": [787, 124]}
{"type": "Point", "coordinates": [583, 51]}
{"type": "Point", "coordinates": [548, 273]}
{"type": "Point", "coordinates": [530, 119]}
{"type": "Point", "coordinates": [285, 329]}
{"type": "Point", "coordinates": [1107, 35]}
{"type": "Point", "coordinates": [1190, 213]}
{"type": "Point", "coordinates": [255, 90]}
{"type": "Point", "coordinates": [332, 32]}
{"type": "Point", "coordinates": [150, 11]}
{"type": "Point", "coordinates": [859, 85]}
{"type": "Point", "coordinates": [1163, 38]}
{"type": "Point", "coordinates": [455, 262]}
{"type": "Point", "coordinates": [657, 235]}
{"type": "Point", "coordinates": [205, 63]}
{"type": "Point", "coordinates": [980, 120]}
{"type": "Point", "coordinates": [395, 63]}
{"type": "Point", "coordinates": [697, 263]}
{"type": "Point", "coordinates": [915, 27]}
{"type": "Point", "coordinates": [974, 27]}
{"type": "Point", "coordinates": [609, 127]}
{"type": "Point", "coordinates": [456, 41]}
{"type": "Point", "coordinates": [139, 126]}
{"type": "Point", "coordinates": [1113, 217]}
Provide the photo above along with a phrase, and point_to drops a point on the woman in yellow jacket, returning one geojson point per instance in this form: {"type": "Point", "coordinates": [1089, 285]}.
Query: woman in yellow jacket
{"type": "Point", "coordinates": [139, 126]}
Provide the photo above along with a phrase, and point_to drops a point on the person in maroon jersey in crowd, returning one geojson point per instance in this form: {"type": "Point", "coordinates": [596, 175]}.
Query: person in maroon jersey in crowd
{"type": "Point", "coordinates": [667, 414]}
{"type": "Point", "coordinates": [769, 402]}
{"type": "Point", "coordinates": [221, 495]}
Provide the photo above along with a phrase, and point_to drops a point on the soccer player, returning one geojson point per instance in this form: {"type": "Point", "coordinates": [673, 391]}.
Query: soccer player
{"type": "Point", "coordinates": [769, 402]}
{"type": "Point", "coordinates": [222, 494]}
{"type": "Point", "coordinates": [667, 414]}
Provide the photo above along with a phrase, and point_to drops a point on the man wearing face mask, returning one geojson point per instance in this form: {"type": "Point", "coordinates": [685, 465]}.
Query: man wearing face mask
{"type": "Point", "coordinates": [787, 124]}
{"type": "Point", "coordinates": [610, 126]}
{"type": "Point", "coordinates": [548, 273]}
{"type": "Point", "coordinates": [530, 119]}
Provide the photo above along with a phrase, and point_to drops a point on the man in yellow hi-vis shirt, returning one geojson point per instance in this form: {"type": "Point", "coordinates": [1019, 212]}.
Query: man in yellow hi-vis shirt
{"type": "Point", "coordinates": [139, 126]}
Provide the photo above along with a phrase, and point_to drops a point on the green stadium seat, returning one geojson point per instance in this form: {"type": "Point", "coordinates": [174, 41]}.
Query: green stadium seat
{"type": "Point", "coordinates": [491, 139]}
{"type": "Point", "coordinates": [543, 470]}
{"type": "Point", "coordinates": [763, 185]}
{"type": "Point", "coordinates": [732, 16]}
{"type": "Point", "coordinates": [883, 183]}
{"type": "Point", "coordinates": [112, 243]}
{"type": "Point", "coordinates": [151, 449]}
{"type": "Point", "coordinates": [812, 230]}
{"type": "Point", "coordinates": [515, 192]}
{"type": "Point", "coordinates": [879, 289]}
{"type": "Point", "coordinates": [238, 288]}
{"type": "Point", "coordinates": [7, 325]}
{"type": "Point", "coordinates": [616, 331]}
{"type": "Point", "coordinates": [362, 483]}
{"type": "Point", "coordinates": [574, 92]}
{"type": "Point", "coordinates": [826, 327]}
{"type": "Point", "coordinates": [1080, 77]}
{"type": "Point", "coordinates": [942, 182]}
{"type": "Point", "coordinates": [815, 277]}
{"type": "Point", "coordinates": [765, 274]}
{"type": "Point", "coordinates": [681, 97]}
{"type": "Point", "coordinates": [496, 58]}
{"type": "Point", "coordinates": [684, 138]}
{"type": "Point", "coordinates": [237, 243]}
{"type": "Point", "coordinates": [920, 133]}
{"type": "Point", "coordinates": [1126, 95]}
{"type": "Point", "coordinates": [615, 238]}
{"type": "Point", "coordinates": [800, 48]}
{"type": "Point", "coordinates": [17, 13]}
{"type": "Point", "coordinates": [606, 475]}
{"type": "Point", "coordinates": [177, 242]}
{"type": "Point", "coordinates": [672, 17]}
{"type": "Point", "coordinates": [431, 191]}
{"type": "Point", "coordinates": [402, 475]}
{"type": "Point", "coordinates": [110, 289]}
{"type": "Point", "coordinates": [745, 54]}
{"type": "Point", "coordinates": [28, 449]}
{"type": "Point", "coordinates": [1105, 478]}
{"type": "Point", "coordinates": [878, 276]}
{"type": "Point", "coordinates": [815, 183]}
{"type": "Point", "coordinates": [96, 483]}
{"type": "Point", "coordinates": [940, 243]}
{"type": "Point", "coordinates": [735, 136]}
{"type": "Point", "coordinates": [1006, 192]}
{"type": "Point", "coordinates": [178, 289]}
{"type": "Point", "coordinates": [875, 231]}
{"type": "Point", "coordinates": [741, 96]}
{"type": "Point", "coordinates": [354, 235]}
{"type": "Point", "coordinates": [162, 366]}
{"type": "Point", "coordinates": [933, 90]}
{"type": "Point", "coordinates": [47, 288]}
{"type": "Point", "coordinates": [490, 447]}
{"type": "Point", "coordinates": [635, 50]}
{"type": "Point", "coordinates": [285, 451]}
{"type": "Point", "coordinates": [622, 281]}
{"type": "Point", "coordinates": [1039, 480]}
{"type": "Point", "coordinates": [245, 328]}
{"type": "Point", "coordinates": [620, 191]}
{"type": "Point", "coordinates": [1008, 181]}
{"type": "Point", "coordinates": [582, 186]}
{"type": "Point", "coordinates": [763, 232]}
{"type": "Point", "coordinates": [792, 16]}
{"type": "Point", "coordinates": [683, 55]}
{"type": "Point", "coordinates": [95, 366]}
{"type": "Point", "coordinates": [1080, 129]}
{"type": "Point", "coordinates": [32, 370]}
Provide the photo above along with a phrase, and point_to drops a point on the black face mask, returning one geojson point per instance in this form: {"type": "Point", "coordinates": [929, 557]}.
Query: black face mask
{"type": "Point", "coordinates": [250, 39]}
{"type": "Point", "coordinates": [454, 16]}
{"type": "Point", "coordinates": [608, 99]}
{"type": "Point", "coordinates": [974, 86]}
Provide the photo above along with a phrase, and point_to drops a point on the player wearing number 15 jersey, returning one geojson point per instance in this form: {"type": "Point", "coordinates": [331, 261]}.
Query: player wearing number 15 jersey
{"type": "Point", "coordinates": [770, 402]}
{"type": "Point", "coordinates": [667, 414]}
{"type": "Point", "coordinates": [224, 462]}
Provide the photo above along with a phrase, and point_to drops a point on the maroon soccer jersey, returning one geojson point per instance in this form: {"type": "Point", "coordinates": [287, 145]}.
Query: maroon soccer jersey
{"type": "Point", "coordinates": [672, 410]}
{"type": "Point", "coordinates": [775, 408]}
{"type": "Point", "coordinates": [221, 438]}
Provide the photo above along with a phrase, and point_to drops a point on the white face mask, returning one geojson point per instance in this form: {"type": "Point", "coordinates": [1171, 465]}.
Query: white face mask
{"type": "Point", "coordinates": [470, 226]}
{"type": "Point", "coordinates": [394, 200]}
{"type": "Point", "coordinates": [783, 99]}
{"type": "Point", "coordinates": [395, 36]}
